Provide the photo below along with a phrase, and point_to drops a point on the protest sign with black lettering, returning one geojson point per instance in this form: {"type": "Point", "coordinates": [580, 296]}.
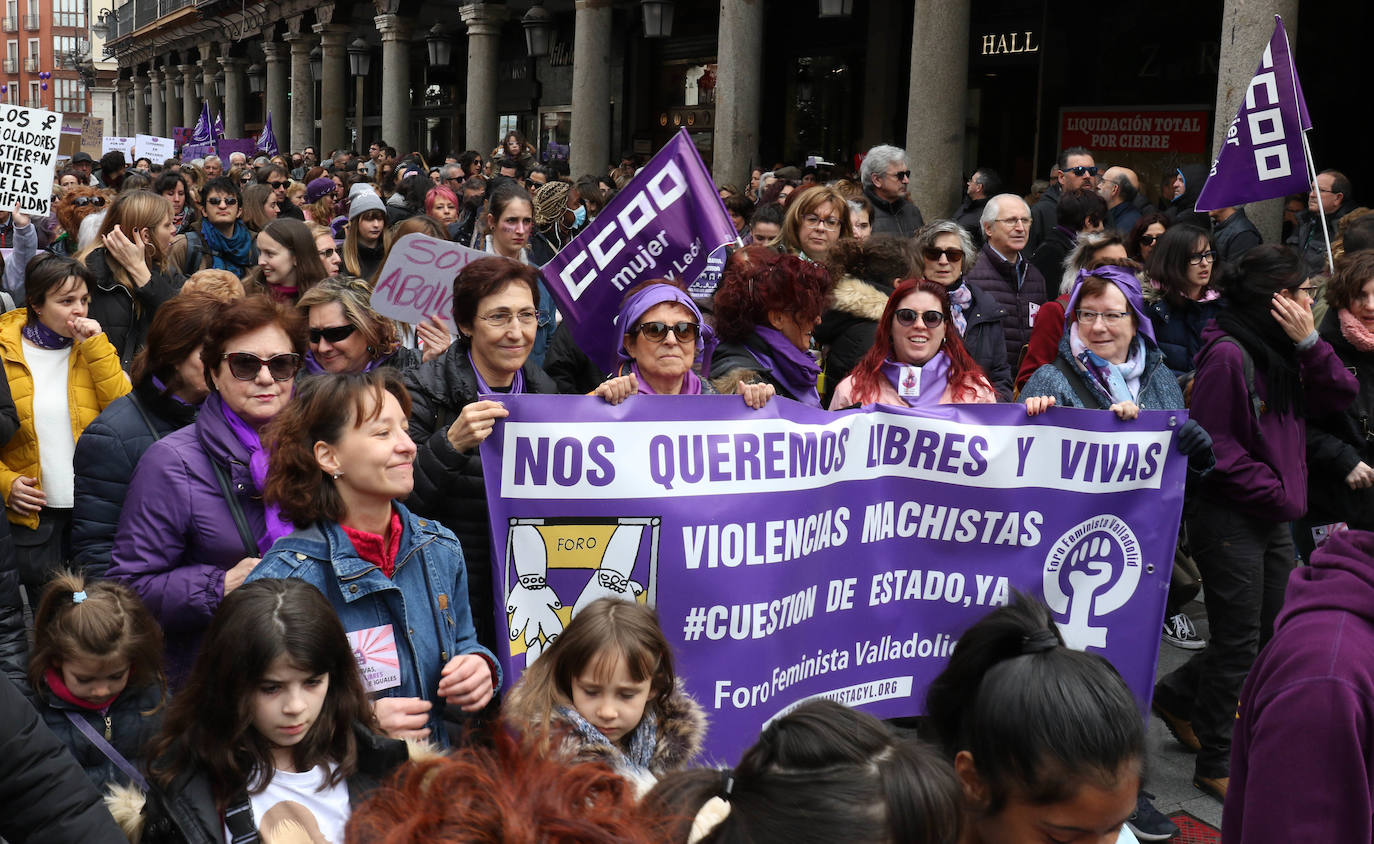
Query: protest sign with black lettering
{"type": "Point", "coordinates": [153, 148]}
{"type": "Point", "coordinates": [417, 280]}
{"type": "Point", "coordinates": [117, 143]}
{"type": "Point", "coordinates": [28, 154]}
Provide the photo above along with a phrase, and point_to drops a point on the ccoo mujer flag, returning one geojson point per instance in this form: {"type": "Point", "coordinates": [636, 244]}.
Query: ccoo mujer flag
{"type": "Point", "coordinates": [1262, 157]}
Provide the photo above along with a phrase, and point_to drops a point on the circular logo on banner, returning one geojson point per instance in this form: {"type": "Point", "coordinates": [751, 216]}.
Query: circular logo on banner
{"type": "Point", "coordinates": [1091, 571]}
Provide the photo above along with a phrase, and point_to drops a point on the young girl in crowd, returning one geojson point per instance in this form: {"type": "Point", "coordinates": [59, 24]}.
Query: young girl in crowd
{"type": "Point", "coordinates": [363, 247]}
{"type": "Point", "coordinates": [96, 671]}
{"type": "Point", "coordinates": [1047, 742]}
{"type": "Point", "coordinates": [605, 689]}
{"type": "Point", "coordinates": [273, 725]}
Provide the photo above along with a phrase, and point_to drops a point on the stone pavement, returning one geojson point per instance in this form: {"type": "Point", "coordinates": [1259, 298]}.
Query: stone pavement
{"type": "Point", "coordinates": [1170, 773]}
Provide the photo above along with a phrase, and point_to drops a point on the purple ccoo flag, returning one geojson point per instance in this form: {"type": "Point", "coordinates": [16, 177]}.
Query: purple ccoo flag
{"type": "Point", "coordinates": [267, 141]}
{"type": "Point", "coordinates": [664, 224]}
{"type": "Point", "coordinates": [205, 129]}
{"type": "Point", "coordinates": [1263, 155]}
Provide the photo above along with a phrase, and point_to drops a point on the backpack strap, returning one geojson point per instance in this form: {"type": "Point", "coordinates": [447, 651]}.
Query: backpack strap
{"type": "Point", "coordinates": [1075, 380]}
{"type": "Point", "coordinates": [1248, 369]}
{"type": "Point", "coordinates": [195, 249]}
{"type": "Point", "coordinates": [108, 749]}
{"type": "Point", "coordinates": [236, 510]}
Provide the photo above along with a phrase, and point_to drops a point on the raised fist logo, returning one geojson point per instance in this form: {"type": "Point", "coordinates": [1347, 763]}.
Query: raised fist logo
{"type": "Point", "coordinates": [1091, 571]}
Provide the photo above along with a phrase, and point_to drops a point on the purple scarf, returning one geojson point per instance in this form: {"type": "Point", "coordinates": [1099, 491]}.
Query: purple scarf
{"type": "Point", "coordinates": [638, 304]}
{"type": "Point", "coordinates": [313, 366]}
{"type": "Point", "coordinates": [691, 384]}
{"type": "Point", "coordinates": [517, 386]}
{"type": "Point", "coordinates": [44, 337]}
{"type": "Point", "coordinates": [919, 386]}
{"type": "Point", "coordinates": [277, 527]}
{"type": "Point", "coordinates": [794, 369]}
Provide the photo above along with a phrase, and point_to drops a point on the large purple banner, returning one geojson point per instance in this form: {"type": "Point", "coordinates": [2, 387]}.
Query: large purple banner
{"type": "Point", "coordinates": [665, 223]}
{"type": "Point", "coordinates": [794, 553]}
{"type": "Point", "coordinates": [1263, 155]}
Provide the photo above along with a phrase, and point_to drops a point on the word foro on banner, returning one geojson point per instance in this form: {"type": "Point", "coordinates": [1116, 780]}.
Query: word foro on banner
{"type": "Point", "coordinates": [28, 158]}
{"type": "Point", "coordinates": [793, 553]}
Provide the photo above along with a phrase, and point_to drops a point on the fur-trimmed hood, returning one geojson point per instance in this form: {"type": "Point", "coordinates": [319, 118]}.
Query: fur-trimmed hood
{"type": "Point", "coordinates": [858, 298]}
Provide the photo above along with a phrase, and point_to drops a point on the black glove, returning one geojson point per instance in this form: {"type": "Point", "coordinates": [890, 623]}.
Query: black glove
{"type": "Point", "coordinates": [1193, 440]}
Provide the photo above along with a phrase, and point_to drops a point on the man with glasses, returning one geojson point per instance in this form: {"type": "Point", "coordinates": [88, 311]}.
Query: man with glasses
{"type": "Point", "coordinates": [1003, 272]}
{"type": "Point", "coordinates": [1332, 197]}
{"type": "Point", "coordinates": [222, 242]}
{"type": "Point", "coordinates": [1073, 169]}
{"type": "Point", "coordinates": [1119, 188]}
{"type": "Point", "coordinates": [885, 177]}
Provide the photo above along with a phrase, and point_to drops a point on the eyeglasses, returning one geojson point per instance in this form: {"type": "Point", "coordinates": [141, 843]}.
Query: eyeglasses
{"type": "Point", "coordinates": [246, 180]}
{"type": "Point", "coordinates": [245, 366]}
{"type": "Point", "coordinates": [657, 332]}
{"type": "Point", "coordinates": [901, 175]}
{"type": "Point", "coordinates": [1313, 290]}
{"type": "Point", "coordinates": [82, 201]}
{"type": "Point", "coordinates": [1112, 317]}
{"type": "Point", "coordinates": [1149, 239]}
{"type": "Point", "coordinates": [907, 317]}
{"type": "Point", "coordinates": [277, 185]}
{"type": "Point", "coordinates": [952, 254]}
{"type": "Point", "coordinates": [328, 253]}
{"type": "Point", "coordinates": [334, 333]}
{"type": "Point", "coordinates": [832, 223]}
{"type": "Point", "coordinates": [1080, 172]}
{"type": "Point", "coordinates": [501, 319]}
{"type": "Point", "coordinates": [1013, 222]}
{"type": "Point", "coordinates": [1198, 258]}
{"type": "Point", "coordinates": [222, 200]}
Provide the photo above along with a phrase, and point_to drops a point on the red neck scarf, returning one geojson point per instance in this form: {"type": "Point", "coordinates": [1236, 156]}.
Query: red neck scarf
{"type": "Point", "coordinates": [59, 688]}
{"type": "Point", "coordinates": [380, 551]}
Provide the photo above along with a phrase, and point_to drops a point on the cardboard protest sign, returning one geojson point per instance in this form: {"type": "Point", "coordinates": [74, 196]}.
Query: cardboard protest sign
{"type": "Point", "coordinates": [793, 553]}
{"type": "Point", "coordinates": [153, 148]}
{"type": "Point", "coordinates": [28, 155]}
{"type": "Point", "coordinates": [417, 280]}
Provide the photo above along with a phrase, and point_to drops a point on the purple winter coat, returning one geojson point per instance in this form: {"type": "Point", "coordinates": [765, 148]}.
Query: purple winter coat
{"type": "Point", "coordinates": [1262, 471]}
{"type": "Point", "coordinates": [177, 537]}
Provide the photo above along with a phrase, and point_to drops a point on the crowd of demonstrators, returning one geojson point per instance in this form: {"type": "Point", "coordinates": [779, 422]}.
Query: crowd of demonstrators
{"type": "Point", "coordinates": [285, 472]}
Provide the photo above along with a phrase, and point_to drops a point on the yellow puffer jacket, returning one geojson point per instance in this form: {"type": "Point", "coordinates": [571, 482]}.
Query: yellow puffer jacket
{"type": "Point", "coordinates": [94, 379]}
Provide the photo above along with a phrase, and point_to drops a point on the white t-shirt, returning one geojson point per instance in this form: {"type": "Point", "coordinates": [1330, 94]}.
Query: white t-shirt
{"type": "Point", "coordinates": [328, 809]}
{"type": "Point", "coordinates": [52, 420]}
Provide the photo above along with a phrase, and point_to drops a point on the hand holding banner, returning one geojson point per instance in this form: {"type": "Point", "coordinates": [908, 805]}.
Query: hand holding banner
{"type": "Point", "coordinates": [417, 280]}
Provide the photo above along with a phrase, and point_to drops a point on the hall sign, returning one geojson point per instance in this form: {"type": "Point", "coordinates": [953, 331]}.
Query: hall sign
{"type": "Point", "coordinates": [1135, 130]}
{"type": "Point", "coordinates": [1009, 43]}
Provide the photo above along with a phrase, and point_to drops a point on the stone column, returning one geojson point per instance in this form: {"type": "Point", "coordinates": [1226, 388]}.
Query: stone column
{"type": "Point", "coordinates": [190, 106]}
{"type": "Point", "coordinates": [1246, 26]}
{"type": "Point", "coordinates": [302, 91]}
{"type": "Point", "coordinates": [170, 75]}
{"type": "Point", "coordinates": [234, 94]}
{"type": "Point", "coordinates": [395, 73]}
{"type": "Point", "coordinates": [208, 65]}
{"type": "Point", "coordinates": [881, 54]}
{"type": "Point", "coordinates": [157, 123]}
{"type": "Point", "coordinates": [123, 114]}
{"type": "Point", "coordinates": [739, 73]}
{"type": "Point", "coordinates": [936, 105]}
{"type": "Point", "coordinates": [591, 88]}
{"type": "Point", "coordinates": [333, 84]}
{"type": "Point", "coordinates": [483, 21]}
{"type": "Point", "coordinates": [277, 103]}
{"type": "Point", "coordinates": [140, 121]}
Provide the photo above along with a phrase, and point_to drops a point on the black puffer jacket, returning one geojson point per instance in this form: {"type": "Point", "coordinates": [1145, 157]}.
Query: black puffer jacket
{"type": "Point", "coordinates": [124, 725]}
{"type": "Point", "coordinates": [44, 794]}
{"type": "Point", "coordinates": [901, 217]}
{"type": "Point", "coordinates": [997, 278]}
{"type": "Point", "coordinates": [125, 316]}
{"type": "Point", "coordinates": [847, 329]}
{"type": "Point", "coordinates": [105, 459]}
{"type": "Point", "coordinates": [14, 644]}
{"type": "Point", "coordinates": [449, 486]}
{"type": "Point", "coordinates": [1338, 443]}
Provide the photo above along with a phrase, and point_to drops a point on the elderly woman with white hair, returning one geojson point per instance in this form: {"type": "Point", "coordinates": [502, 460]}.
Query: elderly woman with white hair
{"type": "Point", "coordinates": [946, 252]}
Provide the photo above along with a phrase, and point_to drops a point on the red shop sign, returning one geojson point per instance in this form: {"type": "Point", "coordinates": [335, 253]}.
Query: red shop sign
{"type": "Point", "coordinates": [1135, 130]}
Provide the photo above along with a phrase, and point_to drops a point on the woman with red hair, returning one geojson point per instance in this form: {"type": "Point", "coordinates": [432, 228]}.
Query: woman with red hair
{"type": "Point", "coordinates": [918, 358]}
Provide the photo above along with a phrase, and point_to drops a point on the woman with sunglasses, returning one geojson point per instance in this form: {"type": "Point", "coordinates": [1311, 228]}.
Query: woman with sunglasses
{"type": "Point", "coordinates": [815, 220]}
{"type": "Point", "coordinates": [193, 525]}
{"type": "Point", "coordinates": [1144, 235]}
{"type": "Point", "coordinates": [62, 372]}
{"type": "Point", "coordinates": [496, 309]}
{"type": "Point", "coordinates": [1182, 300]}
{"type": "Point", "coordinates": [1264, 371]}
{"type": "Point", "coordinates": [346, 334]}
{"type": "Point", "coordinates": [917, 360]}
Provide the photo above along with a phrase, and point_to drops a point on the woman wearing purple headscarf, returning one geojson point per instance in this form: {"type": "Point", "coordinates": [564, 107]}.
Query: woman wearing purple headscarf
{"type": "Point", "coordinates": [665, 339]}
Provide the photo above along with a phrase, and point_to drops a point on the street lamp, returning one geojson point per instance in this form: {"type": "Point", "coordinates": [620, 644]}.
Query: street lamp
{"type": "Point", "coordinates": [836, 8]}
{"type": "Point", "coordinates": [658, 18]}
{"type": "Point", "coordinates": [200, 89]}
{"type": "Point", "coordinates": [256, 77]}
{"type": "Point", "coordinates": [316, 64]}
{"type": "Point", "coordinates": [359, 58]}
{"type": "Point", "coordinates": [538, 30]}
{"type": "Point", "coordinates": [177, 88]}
{"type": "Point", "coordinates": [219, 85]}
{"type": "Point", "coordinates": [440, 50]}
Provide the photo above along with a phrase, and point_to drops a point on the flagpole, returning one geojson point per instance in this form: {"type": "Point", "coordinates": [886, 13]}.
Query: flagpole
{"type": "Point", "coordinates": [1321, 215]}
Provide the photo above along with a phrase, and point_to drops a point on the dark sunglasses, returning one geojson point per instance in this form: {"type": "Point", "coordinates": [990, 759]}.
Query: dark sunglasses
{"type": "Point", "coordinates": [1081, 171]}
{"type": "Point", "coordinates": [953, 254]}
{"type": "Point", "coordinates": [277, 185]}
{"type": "Point", "coordinates": [907, 317]}
{"type": "Point", "coordinates": [656, 332]}
{"type": "Point", "coordinates": [82, 201]}
{"type": "Point", "coordinates": [246, 366]}
{"type": "Point", "coordinates": [901, 175]}
{"type": "Point", "coordinates": [1149, 239]}
{"type": "Point", "coordinates": [222, 200]}
{"type": "Point", "coordinates": [334, 334]}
